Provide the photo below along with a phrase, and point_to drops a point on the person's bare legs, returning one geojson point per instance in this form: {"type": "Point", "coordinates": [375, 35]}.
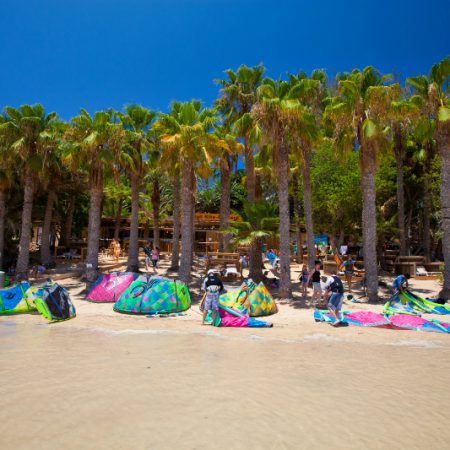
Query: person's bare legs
{"type": "Point", "coordinates": [205, 312]}
{"type": "Point", "coordinates": [348, 279]}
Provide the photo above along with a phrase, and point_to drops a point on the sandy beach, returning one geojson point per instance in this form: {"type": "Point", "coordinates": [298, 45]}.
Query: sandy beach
{"type": "Point", "coordinates": [107, 380]}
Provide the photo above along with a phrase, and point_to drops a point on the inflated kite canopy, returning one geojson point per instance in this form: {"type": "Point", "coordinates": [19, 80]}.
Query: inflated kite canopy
{"type": "Point", "coordinates": [425, 305]}
{"type": "Point", "coordinates": [156, 296]}
{"type": "Point", "coordinates": [50, 299]}
{"type": "Point", "coordinates": [53, 302]}
{"type": "Point", "coordinates": [399, 304]}
{"type": "Point", "coordinates": [14, 299]}
{"type": "Point", "coordinates": [254, 297]}
{"type": "Point", "coordinates": [110, 286]}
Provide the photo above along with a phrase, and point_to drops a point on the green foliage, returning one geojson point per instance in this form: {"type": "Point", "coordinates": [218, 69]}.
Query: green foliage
{"type": "Point", "coordinates": [336, 191]}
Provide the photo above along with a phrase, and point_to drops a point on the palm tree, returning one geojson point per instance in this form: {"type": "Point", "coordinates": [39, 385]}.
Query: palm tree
{"type": "Point", "coordinates": [434, 93]}
{"type": "Point", "coordinates": [185, 130]}
{"type": "Point", "coordinates": [228, 148]}
{"type": "Point", "coordinates": [93, 143]}
{"type": "Point", "coordinates": [6, 178]}
{"type": "Point", "coordinates": [438, 105]}
{"type": "Point", "coordinates": [238, 95]}
{"type": "Point", "coordinates": [27, 127]}
{"type": "Point", "coordinates": [259, 221]}
{"type": "Point", "coordinates": [53, 171]}
{"type": "Point", "coordinates": [402, 111]}
{"type": "Point", "coordinates": [359, 113]}
{"type": "Point", "coordinates": [273, 111]}
{"type": "Point", "coordinates": [304, 134]}
{"type": "Point", "coordinates": [136, 122]}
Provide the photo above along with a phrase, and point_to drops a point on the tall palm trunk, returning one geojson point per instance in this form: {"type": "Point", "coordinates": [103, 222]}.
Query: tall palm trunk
{"type": "Point", "coordinates": [69, 220]}
{"type": "Point", "coordinates": [255, 256]}
{"type": "Point", "coordinates": [443, 142]}
{"type": "Point", "coordinates": [369, 218]}
{"type": "Point", "coordinates": [94, 221]}
{"type": "Point", "coordinates": [176, 224]}
{"type": "Point", "coordinates": [187, 223]}
{"type": "Point", "coordinates": [146, 232]}
{"type": "Point", "coordinates": [2, 224]}
{"type": "Point", "coordinates": [284, 226]}
{"type": "Point", "coordinates": [46, 228]}
{"type": "Point", "coordinates": [399, 155]}
{"type": "Point", "coordinates": [133, 246]}
{"type": "Point", "coordinates": [427, 203]}
{"type": "Point", "coordinates": [297, 212]}
{"type": "Point", "coordinates": [225, 199]}
{"type": "Point", "coordinates": [307, 202]}
{"type": "Point", "coordinates": [156, 200]}
{"type": "Point", "coordinates": [25, 232]}
{"type": "Point", "coordinates": [118, 219]}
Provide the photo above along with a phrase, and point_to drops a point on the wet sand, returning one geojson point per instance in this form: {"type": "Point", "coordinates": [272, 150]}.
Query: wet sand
{"type": "Point", "coordinates": [106, 380]}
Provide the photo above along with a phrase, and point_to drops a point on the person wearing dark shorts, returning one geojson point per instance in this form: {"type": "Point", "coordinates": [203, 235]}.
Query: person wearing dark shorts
{"type": "Point", "coordinates": [314, 276]}
{"type": "Point", "coordinates": [349, 270]}
{"type": "Point", "coordinates": [334, 291]}
{"type": "Point", "coordinates": [212, 285]}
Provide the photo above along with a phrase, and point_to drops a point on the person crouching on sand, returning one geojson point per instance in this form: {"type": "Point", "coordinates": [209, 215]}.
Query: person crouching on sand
{"type": "Point", "coordinates": [212, 285]}
{"type": "Point", "coordinates": [334, 295]}
{"type": "Point", "coordinates": [400, 283]}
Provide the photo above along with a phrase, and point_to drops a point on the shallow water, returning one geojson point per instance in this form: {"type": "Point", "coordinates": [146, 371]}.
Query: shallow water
{"type": "Point", "coordinates": [87, 388]}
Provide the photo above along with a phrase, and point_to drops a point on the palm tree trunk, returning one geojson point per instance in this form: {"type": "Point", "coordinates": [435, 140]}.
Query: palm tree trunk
{"type": "Point", "coordinates": [187, 224]}
{"type": "Point", "coordinates": [369, 219]}
{"type": "Point", "coordinates": [427, 203]}
{"type": "Point", "coordinates": [25, 232]}
{"type": "Point", "coordinates": [399, 155]}
{"type": "Point", "coordinates": [133, 246]}
{"type": "Point", "coordinates": [426, 219]}
{"type": "Point", "coordinates": [118, 219]}
{"type": "Point", "coordinates": [2, 226]}
{"type": "Point", "coordinates": [94, 221]}
{"type": "Point", "coordinates": [254, 251]}
{"type": "Point", "coordinates": [297, 212]}
{"type": "Point", "coordinates": [443, 142]}
{"type": "Point", "coordinates": [307, 201]}
{"type": "Point", "coordinates": [225, 199]}
{"type": "Point", "coordinates": [176, 224]}
{"type": "Point", "coordinates": [146, 232]}
{"type": "Point", "coordinates": [69, 220]}
{"type": "Point", "coordinates": [156, 199]}
{"type": "Point", "coordinates": [284, 226]}
{"type": "Point", "coordinates": [45, 240]}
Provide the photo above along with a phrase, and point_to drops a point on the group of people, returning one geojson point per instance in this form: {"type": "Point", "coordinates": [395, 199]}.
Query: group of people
{"type": "Point", "coordinates": [151, 256]}
{"type": "Point", "coordinates": [328, 289]}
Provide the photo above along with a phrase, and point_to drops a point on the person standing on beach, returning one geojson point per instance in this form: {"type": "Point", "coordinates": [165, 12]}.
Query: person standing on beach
{"type": "Point", "coordinates": [304, 277]}
{"type": "Point", "coordinates": [349, 270]}
{"type": "Point", "coordinates": [334, 295]}
{"type": "Point", "coordinates": [148, 256]}
{"type": "Point", "coordinates": [155, 258]}
{"type": "Point", "coordinates": [314, 276]}
{"type": "Point", "coordinates": [212, 286]}
{"type": "Point", "coordinates": [116, 250]}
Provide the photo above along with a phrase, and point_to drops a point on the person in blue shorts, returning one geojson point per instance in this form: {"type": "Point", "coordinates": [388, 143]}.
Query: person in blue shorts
{"type": "Point", "coordinates": [334, 292]}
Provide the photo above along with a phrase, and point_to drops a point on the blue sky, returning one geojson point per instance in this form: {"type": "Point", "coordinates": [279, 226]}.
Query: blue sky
{"type": "Point", "coordinates": [106, 53]}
